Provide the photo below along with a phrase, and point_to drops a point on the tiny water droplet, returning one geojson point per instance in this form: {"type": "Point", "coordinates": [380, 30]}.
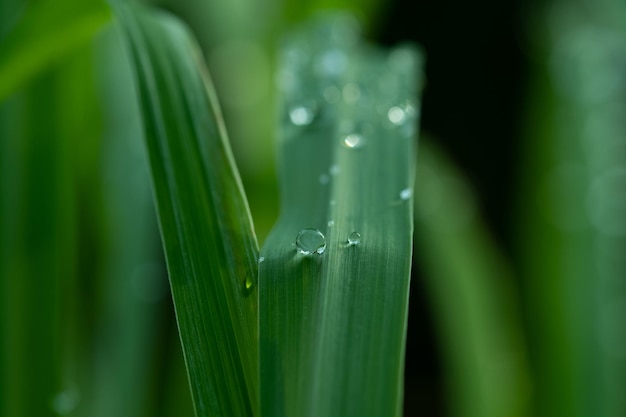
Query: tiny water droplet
{"type": "Point", "coordinates": [333, 202]}
{"type": "Point", "coordinates": [332, 94]}
{"type": "Point", "coordinates": [334, 170]}
{"type": "Point", "coordinates": [310, 241]}
{"type": "Point", "coordinates": [324, 179]}
{"type": "Point", "coordinates": [249, 283]}
{"type": "Point", "coordinates": [261, 259]}
{"type": "Point", "coordinates": [351, 93]}
{"type": "Point", "coordinates": [65, 402]}
{"type": "Point", "coordinates": [331, 223]}
{"type": "Point", "coordinates": [301, 115]}
{"type": "Point", "coordinates": [353, 141]}
{"type": "Point", "coordinates": [406, 194]}
{"type": "Point", "coordinates": [396, 115]}
{"type": "Point", "coordinates": [331, 62]}
{"type": "Point", "coordinates": [354, 239]}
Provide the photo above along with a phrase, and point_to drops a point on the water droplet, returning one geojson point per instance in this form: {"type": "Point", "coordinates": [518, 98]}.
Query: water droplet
{"type": "Point", "coordinates": [65, 402]}
{"type": "Point", "coordinates": [261, 259]}
{"type": "Point", "coordinates": [396, 115]}
{"type": "Point", "coordinates": [249, 283]}
{"type": "Point", "coordinates": [345, 30]}
{"type": "Point", "coordinates": [406, 194]}
{"type": "Point", "coordinates": [334, 170]}
{"type": "Point", "coordinates": [354, 239]}
{"type": "Point", "coordinates": [302, 115]}
{"type": "Point", "coordinates": [332, 94]}
{"type": "Point", "coordinates": [331, 223]}
{"type": "Point", "coordinates": [403, 59]}
{"type": "Point", "coordinates": [332, 62]}
{"type": "Point", "coordinates": [310, 241]}
{"type": "Point", "coordinates": [606, 203]}
{"type": "Point", "coordinates": [351, 93]}
{"type": "Point", "coordinates": [353, 141]}
{"type": "Point", "coordinates": [324, 179]}
{"type": "Point", "coordinates": [333, 202]}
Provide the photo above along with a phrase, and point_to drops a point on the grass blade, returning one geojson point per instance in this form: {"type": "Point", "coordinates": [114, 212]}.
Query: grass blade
{"type": "Point", "coordinates": [332, 325]}
{"type": "Point", "coordinates": [209, 242]}
{"type": "Point", "coordinates": [46, 32]}
{"type": "Point", "coordinates": [572, 230]}
{"type": "Point", "coordinates": [472, 294]}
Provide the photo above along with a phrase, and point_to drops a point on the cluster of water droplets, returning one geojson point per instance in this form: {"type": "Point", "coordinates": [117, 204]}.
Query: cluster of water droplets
{"type": "Point", "coordinates": [334, 89]}
{"type": "Point", "coordinates": [326, 77]}
{"type": "Point", "coordinates": [313, 242]}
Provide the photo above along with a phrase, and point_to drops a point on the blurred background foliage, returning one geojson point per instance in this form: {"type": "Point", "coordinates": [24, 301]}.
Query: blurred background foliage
{"type": "Point", "coordinates": [518, 298]}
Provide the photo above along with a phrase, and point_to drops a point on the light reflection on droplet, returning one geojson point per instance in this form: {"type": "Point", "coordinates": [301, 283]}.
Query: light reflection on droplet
{"type": "Point", "coordinates": [354, 239]}
{"type": "Point", "coordinates": [301, 115]}
{"type": "Point", "coordinates": [406, 193]}
{"type": "Point", "coordinates": [396, 115]}
{"type": "Point", "coordinates": [353, 141]}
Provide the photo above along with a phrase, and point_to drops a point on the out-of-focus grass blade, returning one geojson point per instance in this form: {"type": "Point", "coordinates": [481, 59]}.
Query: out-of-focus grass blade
{"type": "Point", "coordinates": [572, 226]}
{"type": "Point", "coordinates": [209, 242]}
{"type": "Point", "coordinates": [333, 322]}
{"type": "Point", "coordinates": [38, 243]}
{"type": "Point", "coordinates": [130, 375]}
{"type": "Point", "coordinates": [44, 34]}
{"type": "Point", "coordinates": [471, 291]}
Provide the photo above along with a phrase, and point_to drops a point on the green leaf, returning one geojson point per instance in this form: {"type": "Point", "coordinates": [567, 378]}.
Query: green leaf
{"type": "Point", "coordinates": [332, 324]}
{"type": "Point", "coordinates": [471, 290]}
{"type": "Point", "coordinates": [47, 32]}
{"type": "Point", "coordinates": [209, 242]}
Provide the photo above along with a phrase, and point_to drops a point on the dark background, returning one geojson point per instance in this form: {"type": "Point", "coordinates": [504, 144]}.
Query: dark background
{"type": "Point", "coordinates": [476, 77]}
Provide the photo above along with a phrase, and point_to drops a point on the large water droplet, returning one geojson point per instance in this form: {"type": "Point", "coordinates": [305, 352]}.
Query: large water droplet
{"type": "Point", "coordinates": [310, 241]}
{"type": "Point", "coordinates": [353, 141]}
{"type": "Point", "coordinates": [302, 115]}
{"type": "Point", "coordinates": [354, 239]}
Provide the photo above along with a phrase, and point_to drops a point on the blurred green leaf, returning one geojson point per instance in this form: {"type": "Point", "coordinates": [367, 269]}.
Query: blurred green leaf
{"type": "Point", "coordinates": [571, 217]}
{"type": "Point", "coordinates": [333, 321]}
{"type": "Point", "coordinates": [209, 242]}
{"type": "Point", "coordinates": [46, 32]}
{"type": "Point", "coordinates": [472, 294]}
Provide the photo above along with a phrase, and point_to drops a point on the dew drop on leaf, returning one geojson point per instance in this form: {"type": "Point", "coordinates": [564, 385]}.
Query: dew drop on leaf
{"type": "Point", "coordinates": [396, 115]}
{"type": "Point", "coordinates": [301, 115]}
{"type": "Point", "coordinates": [310, 241]}
{"type": "Point", "coordinates": [353, 141]}
{"type": "Point", "coordinates": [354, 239]}
{"type": "Point", "coordinates": [406, 194]}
